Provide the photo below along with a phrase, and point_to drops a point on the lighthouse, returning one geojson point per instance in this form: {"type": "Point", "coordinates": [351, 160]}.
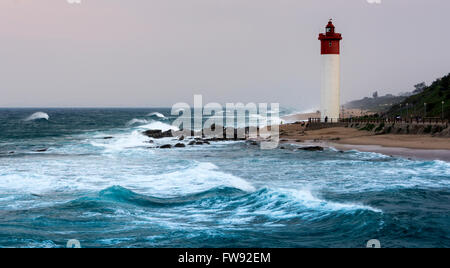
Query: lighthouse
{"type": "Point", "coordinates": [331, 72]}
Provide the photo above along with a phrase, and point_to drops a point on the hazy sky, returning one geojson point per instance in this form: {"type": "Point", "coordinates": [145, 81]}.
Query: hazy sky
{"type": "Point", "coordinates": [159, 52]}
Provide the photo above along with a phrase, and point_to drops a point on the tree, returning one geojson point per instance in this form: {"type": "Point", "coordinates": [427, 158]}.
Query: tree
{"type": "Point", "coordinates": [375, 95]}
{"type": "Point", "coordinates": [420, 88]}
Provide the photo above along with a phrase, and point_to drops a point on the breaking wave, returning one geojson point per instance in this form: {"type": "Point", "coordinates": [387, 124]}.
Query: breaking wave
{"type": "Point", "coordinates": [156, 114]}
{"type": "Point", "coordinates": [136, 121]}
{"type": "Point", "coordinates": [37, 116]}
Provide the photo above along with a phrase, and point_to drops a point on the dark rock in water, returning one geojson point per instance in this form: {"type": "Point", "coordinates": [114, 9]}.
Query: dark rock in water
{"type": "Point", "coordinates": [283, 148]}
{"type": "Point", "coordinates": [206, 142]}
{"type": "Point", "coordinates": [312, 148]}
{"type": "Point", "coordinates": [298, 140]}
{"type": "Point", "coordinates": [165, 146]}
{"type": "Point", "coordinates": [107, 138]}
{"type": "Point", "coordinates": [158, 134]}
{"type": "Point", "coordinates": [11, 152]}
{"type": "Point", "coordinates": [181, 138]}
{"type": "Point", "coordinates": [252, 142]}
{"type": "Point", "coordinates": [152, 132]}
{"type": "Point", "coordinates": [180, 145]}
{"type": "Point", "coordinates": [41, 150]}
{"type": "Point", "coordinates": [199, 143]}
{"type": "Point", "coordinates": [191, 143]}
{"type": "Point", "coordinates": [150, 141]}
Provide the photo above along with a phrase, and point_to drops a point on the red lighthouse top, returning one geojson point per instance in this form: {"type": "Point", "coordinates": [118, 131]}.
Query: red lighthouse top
{"type": "Point", "coordinates": [330, 41]}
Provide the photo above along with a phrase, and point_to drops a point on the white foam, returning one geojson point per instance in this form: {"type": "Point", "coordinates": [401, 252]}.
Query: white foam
{"type": "Point", "coordinates": [199, 178]}
{"type": "Point", "coordinates": [38, 115]}
{"type": "Point", "coordinates": [123, 141]}
{"type": "Point", "coordinates": [293, 203]}
{"type": "Point", "coordinates": [159, 125]}
{"type": "Point", "coordinates": [47, 179]}
{"type": "Point", "coordinates": [135, 121]}
{"type": "Point", "coordinates": [307, 199]}
{"type": "Point", "coordinates": [159, 115]}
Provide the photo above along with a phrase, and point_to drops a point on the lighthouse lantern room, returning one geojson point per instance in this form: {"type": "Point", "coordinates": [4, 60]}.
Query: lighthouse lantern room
{"type": "Point", "coordinates": [330, 78]}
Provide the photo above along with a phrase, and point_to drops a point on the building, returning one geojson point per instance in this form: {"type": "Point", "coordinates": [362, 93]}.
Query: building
{"type": "Point", "coordinates": [330, 78]}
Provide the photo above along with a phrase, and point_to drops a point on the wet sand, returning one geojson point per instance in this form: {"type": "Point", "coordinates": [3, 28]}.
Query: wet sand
{"type": "Point", "coordinates": [409, 146]}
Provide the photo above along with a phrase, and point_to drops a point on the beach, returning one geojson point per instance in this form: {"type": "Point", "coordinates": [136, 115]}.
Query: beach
{"type": "Point", "coordinates": [343, 138]}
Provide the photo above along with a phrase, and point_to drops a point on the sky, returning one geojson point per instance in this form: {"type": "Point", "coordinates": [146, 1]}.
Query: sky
{"type": "Point", "coordinates": [155, 53]}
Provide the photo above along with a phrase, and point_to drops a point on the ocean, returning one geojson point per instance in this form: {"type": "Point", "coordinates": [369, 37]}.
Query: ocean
{"type": "Point", "coordinates": [90, 175]}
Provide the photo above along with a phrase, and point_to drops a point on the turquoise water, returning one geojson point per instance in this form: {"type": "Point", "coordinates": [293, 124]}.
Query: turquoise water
{"type": "Point", "coordinates": [118, 192]}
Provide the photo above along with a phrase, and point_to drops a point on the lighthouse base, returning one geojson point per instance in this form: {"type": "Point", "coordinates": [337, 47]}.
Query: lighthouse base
{"type": "Point", "coordinates": [330, 88]}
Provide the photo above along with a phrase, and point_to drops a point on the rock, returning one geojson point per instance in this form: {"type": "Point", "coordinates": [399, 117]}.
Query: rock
{"type": "Point", "coordinates": [181, 138]}
{"type": "Point", "coordinates": [107, 138]}
{"type": "Point", "coordinates": [165, 146]}
{"type": "Point", "coordinates": [180, 145]}
{"type": "Point", "coordinates": [41, 150]}
{"type": "Point", "coordinates": [152, 133]}
{"type": "Point", "coordinates": [206, 142]}
{"type": "Point", "coordinates": [191, 143]}
{"type": "Point", "coordinates": [199, 143]}
{"type": "Point", "coordinates": [298, 141]}
{"type": "Point", "coordinates": [312, 148]}
{"type": "Point", "coordinates": [158, 134]}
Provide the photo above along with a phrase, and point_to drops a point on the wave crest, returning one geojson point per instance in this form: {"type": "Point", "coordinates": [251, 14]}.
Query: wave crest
{"type": "Point", "coordinates": [37, 116]}
{"type": "Point", "coordinates": [136, 121]}
{"type": "Point", "coordinates": [156, 114]}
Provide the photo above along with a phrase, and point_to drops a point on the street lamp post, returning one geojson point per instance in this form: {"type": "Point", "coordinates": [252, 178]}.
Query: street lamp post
{"type": "Point", "coordinates": [425, 112]}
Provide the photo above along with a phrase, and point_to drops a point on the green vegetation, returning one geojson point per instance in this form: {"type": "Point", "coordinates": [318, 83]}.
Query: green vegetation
{"type": "Point", "coordinates": [376, 104]}
{"type": "Point", "coordinates": [433, 96]}
{"type": "Point", "coordinates": [380, 127]}
{"type": "Point", "coordinates": [368, 127]}
{"type": "Point", "coordinates": [436, 97]}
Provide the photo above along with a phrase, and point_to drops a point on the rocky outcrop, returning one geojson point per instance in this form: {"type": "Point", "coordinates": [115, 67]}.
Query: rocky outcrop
{"type": "Point", "coordinates": [312, 148]}
{"type": "Point", "coordinates": [441, 130]}
{"type": "Point", "coordinates": [166, 146]}
{"type": "Point", "coordinates": [158, 134]}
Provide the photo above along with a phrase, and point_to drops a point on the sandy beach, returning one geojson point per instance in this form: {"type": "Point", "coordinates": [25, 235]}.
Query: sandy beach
{"type": "Point", "coordinates": [341, 138]}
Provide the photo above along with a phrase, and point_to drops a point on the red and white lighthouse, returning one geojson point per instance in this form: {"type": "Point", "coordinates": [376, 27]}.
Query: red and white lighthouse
{"type": "Point", "coordinates": [331, 72]}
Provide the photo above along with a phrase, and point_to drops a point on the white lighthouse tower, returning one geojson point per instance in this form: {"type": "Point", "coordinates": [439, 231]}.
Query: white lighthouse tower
{"type": "Point", "coordinates": [331, 72]}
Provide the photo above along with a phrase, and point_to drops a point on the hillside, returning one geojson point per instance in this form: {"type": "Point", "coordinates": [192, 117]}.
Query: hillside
{"type": "Point", "coordinates": [433, 96]}
{"type": "Point", "coordinates": [376, 104]}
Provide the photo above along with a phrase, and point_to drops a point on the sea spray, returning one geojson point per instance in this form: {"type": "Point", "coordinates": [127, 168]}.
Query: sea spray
{"type": "Point", "coordinates": [156, 114]}
{"type": "Point", "coordinates": [37, 116]}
